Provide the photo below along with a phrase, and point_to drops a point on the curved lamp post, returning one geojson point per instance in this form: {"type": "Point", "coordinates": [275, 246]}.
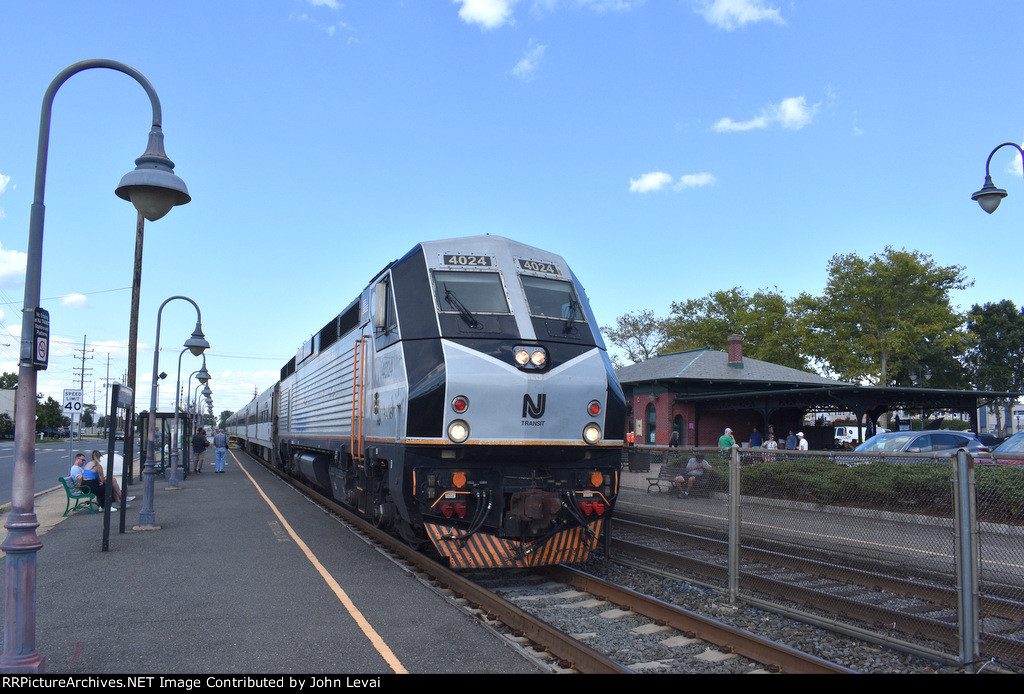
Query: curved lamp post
{"type": "Point", "coordinates": [989, 196]}
{"type": "Point", "coordinates": [197, 344]}
{"type": "Point", "coordinates": [156, 190]}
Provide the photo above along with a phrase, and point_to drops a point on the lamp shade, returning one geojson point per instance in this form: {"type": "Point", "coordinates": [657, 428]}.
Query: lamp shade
{"type": "Point", "coordinates": [197, 344]}
{"type": "Point", "coordinates": [152, 187]}
{"type": "Point", "coordinates": [989, 196]}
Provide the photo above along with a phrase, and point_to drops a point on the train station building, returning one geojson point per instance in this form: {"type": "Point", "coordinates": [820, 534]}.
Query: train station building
{"type": "Point", "coordinates": [700, 392]}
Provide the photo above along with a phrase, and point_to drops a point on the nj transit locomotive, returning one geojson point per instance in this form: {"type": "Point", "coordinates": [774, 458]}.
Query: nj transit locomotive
{"type": "Point", "coordinates": [465, 397]}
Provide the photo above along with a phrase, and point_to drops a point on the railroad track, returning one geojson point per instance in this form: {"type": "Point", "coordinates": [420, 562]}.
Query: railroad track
{"type": "Point", "coordinates": [921, 611]}
{"type": "Point", "coordinates": [706, 636]}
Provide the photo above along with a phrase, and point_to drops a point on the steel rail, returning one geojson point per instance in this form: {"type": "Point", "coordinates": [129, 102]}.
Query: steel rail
{"type": "Point", "coordinates": [991, 606]}
{"type": "Point", "coordinates": [775, 656]}
{"type": "Point", "coordinates": [993, 645]}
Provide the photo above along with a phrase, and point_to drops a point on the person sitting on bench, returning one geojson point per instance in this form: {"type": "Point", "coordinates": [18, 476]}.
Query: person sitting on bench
{"type": "Point", "coordinates": [93, 480]}
{"type": "Point", "coordinates": [694, 469]}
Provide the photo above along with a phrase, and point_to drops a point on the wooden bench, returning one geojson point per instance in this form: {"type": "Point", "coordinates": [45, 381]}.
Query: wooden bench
{"type": "Point", "coordinates": [78, 495]}
{"type": "Point", "coordinates": [665, 476]}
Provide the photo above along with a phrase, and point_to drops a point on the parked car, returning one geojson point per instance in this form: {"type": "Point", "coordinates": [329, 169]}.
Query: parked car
{"type": "Point", "coordinates": [990, 440]}
{"type": "Point", "coordinates": [896, 442]}
{"type": "Point", "coordinates": [119, 436]}
{"type": "Point", "coordinates": [1013, 446]}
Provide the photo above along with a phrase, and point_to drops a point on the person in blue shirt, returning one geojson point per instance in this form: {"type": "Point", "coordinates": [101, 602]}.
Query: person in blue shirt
{"type": "Point", "coordinates": [755, 438]}
{"type": "Point", "coordinates": [791, 441]}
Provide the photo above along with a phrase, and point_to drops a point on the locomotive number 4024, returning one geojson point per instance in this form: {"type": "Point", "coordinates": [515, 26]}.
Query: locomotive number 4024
{"type": "Point", "coordinates": [467, 260]}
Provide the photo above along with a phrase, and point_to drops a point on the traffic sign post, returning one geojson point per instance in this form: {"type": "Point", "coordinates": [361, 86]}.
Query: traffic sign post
{"type": "Point", "coordinates": [73, 404]}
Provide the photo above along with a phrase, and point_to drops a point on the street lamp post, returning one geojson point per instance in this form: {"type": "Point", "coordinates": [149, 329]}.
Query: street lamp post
{"type": "Point", "coordinates": [204, 376]}
{"type": "Point", "coordinates": [197, 344]}
{"type": "Point", "coordinates": [153, 193]}
{"type": "Point", "coordinates": [989, 196]}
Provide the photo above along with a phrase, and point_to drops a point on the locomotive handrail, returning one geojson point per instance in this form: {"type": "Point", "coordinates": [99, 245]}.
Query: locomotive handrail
{"type": "Point", "coordinates": [358, 372]}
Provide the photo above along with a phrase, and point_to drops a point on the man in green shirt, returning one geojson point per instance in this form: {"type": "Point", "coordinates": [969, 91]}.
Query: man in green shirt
{"type": "Point", "coordinates": [726, 441]}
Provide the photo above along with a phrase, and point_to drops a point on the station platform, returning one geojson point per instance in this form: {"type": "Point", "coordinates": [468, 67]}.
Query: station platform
{"type": "Point", "coordinates": [246, 576]}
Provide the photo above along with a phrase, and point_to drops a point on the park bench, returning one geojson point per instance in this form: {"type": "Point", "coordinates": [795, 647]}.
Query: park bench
{"type": "Point", "coordinates": [78, 495]}
{"type": "Point", "coordinates": [665, 476]}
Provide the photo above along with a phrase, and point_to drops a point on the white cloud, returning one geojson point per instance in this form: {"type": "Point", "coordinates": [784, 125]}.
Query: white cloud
{"type": "Point", "coordinates": [73, 300]}
{"type": "Point", "coordinates": [12, 268]}
{"type": "Point", "coordinates": [656, 180]}
{"type": "Point", "coordinates": [732, 14]}
{"type": "Point", "coordinates": [659, 180]}
{"type": "Point", "coordinates": [4, 180]}
{"type": "Point", "coordinates": [489, 14]}
{"type": "Point", "coordinates": [792, 113]}
{"type": "Point", "coordinates": [698, 180]}
{"type": "Point", "coordinates": [1016, 167]}
{"type": "Point", "coordinates": [530, 62]}
{"type": "Point", "coordinates": [333, 4]}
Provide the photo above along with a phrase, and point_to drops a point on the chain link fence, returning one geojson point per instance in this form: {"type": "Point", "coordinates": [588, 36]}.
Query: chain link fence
{"type": "Point", "coordinates": [919, 549]}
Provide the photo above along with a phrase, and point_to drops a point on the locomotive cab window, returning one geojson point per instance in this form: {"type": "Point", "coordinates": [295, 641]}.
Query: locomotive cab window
{"type": "Point", "coordinates": [469, 293]}
{"type": "Point", "coordinates": [549, 298]}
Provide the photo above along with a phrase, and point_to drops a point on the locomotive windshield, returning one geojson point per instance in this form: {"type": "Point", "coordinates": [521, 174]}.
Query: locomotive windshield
{"type": "Point", "coordinates": [551, 298]}
{"type": "Point", "coordinates": [470, 292]}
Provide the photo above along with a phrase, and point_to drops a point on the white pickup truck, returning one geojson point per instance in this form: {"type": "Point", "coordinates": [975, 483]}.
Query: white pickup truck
{"type": "Point", "coordinates": [847, 435]}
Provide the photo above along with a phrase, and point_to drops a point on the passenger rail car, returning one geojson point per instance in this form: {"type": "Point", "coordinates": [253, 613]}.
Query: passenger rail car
{"type": "Point", "coordinates": [466, 398]}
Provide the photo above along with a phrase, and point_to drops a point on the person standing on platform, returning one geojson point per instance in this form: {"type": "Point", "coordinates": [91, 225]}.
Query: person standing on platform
{"type": "Point", "coordinates": [726, 442]}
{"type": "Point", "coordinates": [199, 446]}
{"type": "Point", "coordinates": [755, 438]}
{"type": "Point", "coordinates": [220, 443]}
{"type": "Point", "coordinates": [790, 441]}
{"type": "Point", "coordinates": [802, 446]}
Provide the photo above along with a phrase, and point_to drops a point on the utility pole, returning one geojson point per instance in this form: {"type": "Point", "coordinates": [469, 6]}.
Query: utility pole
{"type": "Point", "coordinates": [84, 351]}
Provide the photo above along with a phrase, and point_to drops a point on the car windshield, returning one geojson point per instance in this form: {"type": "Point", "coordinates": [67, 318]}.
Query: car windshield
{"type": "Point", "coordinates": [1014, 444]}
{"type": "Point", "coordinates": [890, 442]}
{"type": "Point", "coordinates": [551, 298]}
{"type": "Point", "coordinates": [475, 292]}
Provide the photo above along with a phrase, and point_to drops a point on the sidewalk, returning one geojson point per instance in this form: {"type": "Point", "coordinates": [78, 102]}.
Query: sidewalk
{"type": "Point", "coordinates": [243, 576]}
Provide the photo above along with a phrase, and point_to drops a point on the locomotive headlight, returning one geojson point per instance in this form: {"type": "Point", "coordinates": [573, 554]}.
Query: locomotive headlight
{"type": "Point", "coordinates": [530, 357]}
{"type": "Point", "coordinates": [591, 433]}
{"type": "Point", "coordinates": [458, 431]}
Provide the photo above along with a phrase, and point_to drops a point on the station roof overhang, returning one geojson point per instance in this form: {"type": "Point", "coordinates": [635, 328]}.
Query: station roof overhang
{"type": "Point", "coordinates": [848, 398]}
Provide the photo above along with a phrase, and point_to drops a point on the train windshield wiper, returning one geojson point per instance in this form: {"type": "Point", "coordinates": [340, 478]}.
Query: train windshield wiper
{"type": "Point", "coordinates": [453, 301]}
{"type": "Point", "coordinates": [570, 314]}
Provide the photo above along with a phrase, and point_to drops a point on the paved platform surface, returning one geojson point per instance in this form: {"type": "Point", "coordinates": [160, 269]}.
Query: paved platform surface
{"type": "Point", "coordinates": [243, 575]}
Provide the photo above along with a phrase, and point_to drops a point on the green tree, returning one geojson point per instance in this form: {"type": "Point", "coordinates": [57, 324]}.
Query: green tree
{"type": "Point", "coordinates": [223, 422]}
{"type": "Point", "coordinates": [8, 381]}
{"type": "Point", "coordinates": [50, 415]}
{"type": "Point", "coordinates": [640, 334]}
{"type": "Point", "coordinates": [88, 413]}
{"type": "Point", "coordinates": [996, 357]}
{"type": "Point", "coordinates": [6, 426]}
{"type": "Point", "coordinates": [766, 320]}
{"type": "Point", "coordinates": [878, 317]}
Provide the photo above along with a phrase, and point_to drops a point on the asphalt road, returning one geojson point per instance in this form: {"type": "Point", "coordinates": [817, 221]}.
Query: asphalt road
{"type": "Point", "coordinates": [53, 460]}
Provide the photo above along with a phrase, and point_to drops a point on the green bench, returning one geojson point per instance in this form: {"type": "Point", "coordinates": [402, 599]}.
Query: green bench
{"type": "Point", "coordinates": [78, 495]}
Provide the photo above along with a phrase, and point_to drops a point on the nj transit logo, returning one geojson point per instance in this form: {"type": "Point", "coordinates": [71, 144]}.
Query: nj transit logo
{"type": "Point", "coordinates": [534, 410]}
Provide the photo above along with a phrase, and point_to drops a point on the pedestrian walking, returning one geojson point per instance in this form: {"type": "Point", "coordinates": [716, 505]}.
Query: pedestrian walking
{"type": "Point", "coordinates": [220, 443]}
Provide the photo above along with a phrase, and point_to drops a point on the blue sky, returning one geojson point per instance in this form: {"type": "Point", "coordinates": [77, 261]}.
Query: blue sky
{"type": "Point", "coordinates": [666, 148]}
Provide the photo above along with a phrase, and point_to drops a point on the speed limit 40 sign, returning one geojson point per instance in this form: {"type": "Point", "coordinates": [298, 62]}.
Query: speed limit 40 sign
{"type": "Point", "coordinates": [73, 400]}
